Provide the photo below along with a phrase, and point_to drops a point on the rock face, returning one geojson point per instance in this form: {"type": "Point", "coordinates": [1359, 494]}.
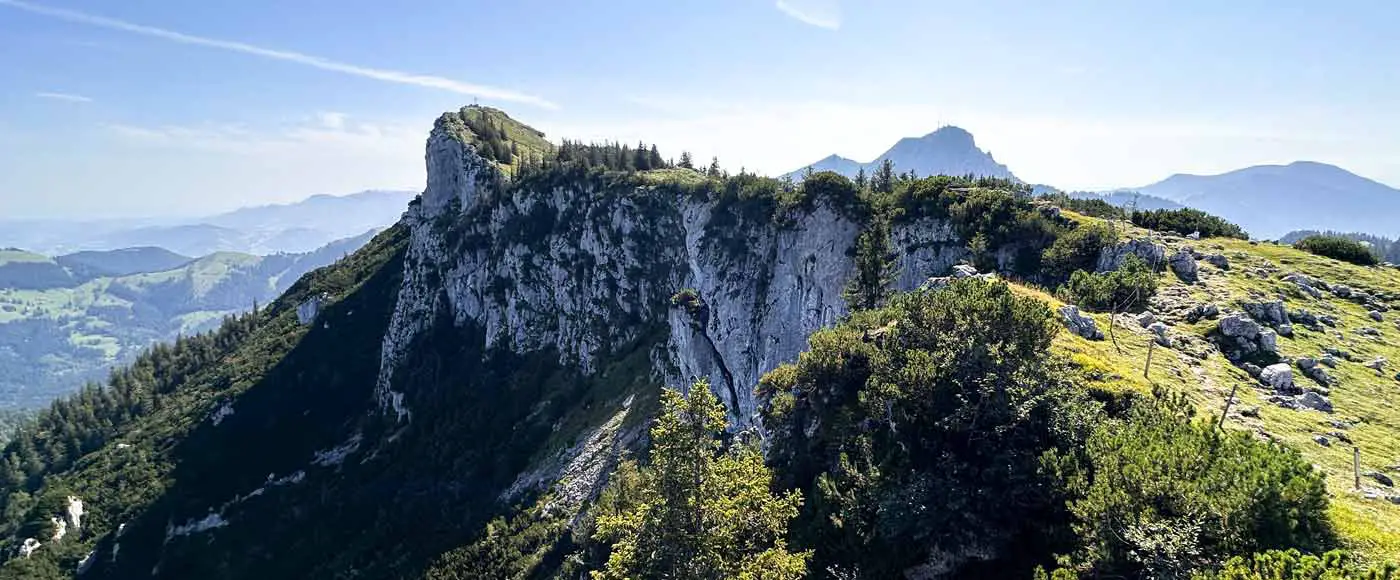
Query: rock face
{"type": "Point", "coordinates": [590, 267]}
{"type": "Point", "coordinates": [1153, 253]}
{"type": "Point", "coordinates": [1080, 324]}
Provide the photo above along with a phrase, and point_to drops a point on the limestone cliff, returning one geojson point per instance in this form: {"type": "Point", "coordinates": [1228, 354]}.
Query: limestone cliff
{"type": "Point", "coordinates": [587, 266]}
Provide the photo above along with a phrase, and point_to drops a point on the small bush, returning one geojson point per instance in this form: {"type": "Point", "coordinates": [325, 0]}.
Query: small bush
{"type": "Point", "coordinates": [1092, 206]}
{"type": "Point", "coordinates": [1126, 288]}
{"type": "Point", "coordinates": [1160, 495]}
{"type": "Point", "coordinates": [1187, 221]}
{"type": "Point", "coordinates": [1077, 249]}
{"type": "Point", "coordinates": [1294, 565]}
{"type": "Point", "coordinates": [1339, 248]}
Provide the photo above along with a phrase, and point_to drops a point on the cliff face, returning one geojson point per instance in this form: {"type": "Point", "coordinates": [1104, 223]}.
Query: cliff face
{"type": "Point", "coordinates": [588, 267]}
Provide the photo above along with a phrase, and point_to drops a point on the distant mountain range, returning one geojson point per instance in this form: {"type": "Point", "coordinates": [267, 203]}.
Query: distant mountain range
{"type": "Point", "coordinates": [292, 228]}
{"type": "Point", "coordinates": [947, 151]}
{"type": "Point", "coordinates": [1271, 200]}
{"type": "Point", "coordinates": [65, 320]}
{"type": "Point", "coordinates": [1266, 200]}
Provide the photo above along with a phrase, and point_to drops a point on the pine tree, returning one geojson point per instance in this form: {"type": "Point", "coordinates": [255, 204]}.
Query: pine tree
{"type": "Point", "coordinates": [686, 161]}
{"type": "Point", "coordinates": [703, 512]}
{"type": "Point", "coordinates": [713, 171]}
{"type": "Point", "coordinates": [656, 161]}
{"type": "Point", "coordinates": [883, 181]}
{"type": "Point", "coordinates": [861, 179]}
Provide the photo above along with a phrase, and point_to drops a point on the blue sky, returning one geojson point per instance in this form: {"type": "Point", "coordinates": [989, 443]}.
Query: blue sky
{"type": "Point", "coordinates": [159, 107]}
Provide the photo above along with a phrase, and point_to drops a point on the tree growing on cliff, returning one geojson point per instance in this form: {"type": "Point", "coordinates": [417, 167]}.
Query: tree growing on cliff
{"type": "Point", "coordinates": [701, 512]}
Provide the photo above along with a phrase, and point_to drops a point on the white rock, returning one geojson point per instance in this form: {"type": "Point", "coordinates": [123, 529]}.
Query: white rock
{"type": "Point", "coordinates": [27, 548]}
{"type": "Point", "coordinates": [1279, 376]}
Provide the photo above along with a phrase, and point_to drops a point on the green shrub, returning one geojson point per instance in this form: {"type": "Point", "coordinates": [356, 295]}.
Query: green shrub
{"type": "Point", "coordinates": [1188, 221]}
{"type": "Point", "coordinates": [1338, 248]}
{"type": "Point", "coordinates": [1294, 565]}
{"type": "Point", "coordinates": [1092, 207]}
{"type": "Point", "coordinates": [917, 429]}
{"type": "Point", "coordinates": [1077, 249]}
{"type": "Point", "coordinates": [1127, 288]}
{"type": "Point", "coordinates": [1158, 495]}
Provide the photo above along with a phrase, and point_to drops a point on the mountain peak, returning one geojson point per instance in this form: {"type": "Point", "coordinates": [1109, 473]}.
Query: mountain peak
{"type": "Point", "coordinates": [952, 135]}
{"type": "Point", "coordinates": [950, 150]}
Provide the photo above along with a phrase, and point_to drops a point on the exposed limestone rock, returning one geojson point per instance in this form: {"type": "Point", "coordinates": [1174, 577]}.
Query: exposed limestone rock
{"type": "Point", "coordinates": [1183, 263]}
{"type": "Point", "coordinates": [1237, 326]}
{"type": "Point", "coordinates": [1322, 440]}
{"type": "Point", "coordinates": [1218, 260]}
{"type": "Point", "coordinates": [1314, 401]}
{"type": "Point", "coordinates": [1377, 364]}
{"type": "Point", "coordinates": [1271, 312]}
{"type": "Point", "coordinates": [1079, 323]}
{"type": "Point", "coordinates": [1268, 341]}
{"type": "Point", "coordinates": [1376, 316]}
{"type": "Point", "coordinates": [1279, 376]}
{"type": "Point", "coordinates": [309, 309]}
{"type": "Point", "coordinates": [27, 548]}
{"type": "Point", "coordinates": [619, 256]}
{"type": "Point", "coordinates": [1146, 319]}
{"type": "Point", "coordinates": [223, 412]}
{"type": "Point", "coordinates": [1153, 253]}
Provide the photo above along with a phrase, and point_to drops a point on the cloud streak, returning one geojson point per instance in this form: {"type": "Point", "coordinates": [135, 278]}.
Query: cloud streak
{"type": "Point", "coordinates": [379, 74]}
{"type": "Point", "coordinates": [820, 13]}
{"type": "Point", "coordinates": [65, 97]}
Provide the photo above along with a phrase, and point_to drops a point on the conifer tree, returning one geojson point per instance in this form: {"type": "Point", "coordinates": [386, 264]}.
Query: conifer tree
{"type": "Point", "coordinates": [704, 513]}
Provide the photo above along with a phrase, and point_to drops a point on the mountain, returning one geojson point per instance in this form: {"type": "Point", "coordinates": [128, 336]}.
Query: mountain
{"type": "Point", "coordinates": [284, 228]}
{"type": "Point", "coordinates": [66, 320]}
{"type": "Point", "coordinates": [469, 395]}
{"type": "Point", "coordinates": [1271, 200]}
{"type": "Point", "coordinates": [123, 262]}
{"type": "Point", "coordinates": [947, 151]}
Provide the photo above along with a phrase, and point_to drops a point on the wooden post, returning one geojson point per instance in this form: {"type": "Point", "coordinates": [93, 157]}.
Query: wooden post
{"type": "Point", "coordinates": [1151, 345]}
{"type": "Point", "coordinates": [1228, 401]}
{"type": "Point", "coordinates": [1356, 464]}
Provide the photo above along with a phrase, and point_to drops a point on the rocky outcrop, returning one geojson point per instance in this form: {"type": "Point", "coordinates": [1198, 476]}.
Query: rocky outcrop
{"type": "Point", "coordinates": [589, 267]}
{"type": "Point", "coordinates": [1153, 253]}
{"type": "Point", "coordinates": [1080, 324]}
{"type": "Point", "coordinates": [1183, 264]}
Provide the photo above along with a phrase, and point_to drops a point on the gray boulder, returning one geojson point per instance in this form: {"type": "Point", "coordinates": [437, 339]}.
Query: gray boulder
{"type": "Point", "coordinates": [1080, 324]}
{"type": "Point", "coordinates": [1279, 376]}
{"type": "Point", "coordinates": [1270, 312]}
{"type": "Point", "coordinates": [1268, 341]}
{"type": "Point", "coordinates": [964, 271]}
{"type": "Point", "coordinates": [1219, 261]}
{"type": "Point", "coordinates": [1376, 316]}
{"type": "Point", "coordinates": [1314, 401]}
{"type": "Point", "coordinates": [1380, 478]}
{"type": "Point", "coordinates": [1237, 326]}
{"type": "Point", "coordinates": [1183, 263]}
{"type": "Point", "coordinates": [1322, 440]}
{"type": "Point", "coordinates": [1146, 319]}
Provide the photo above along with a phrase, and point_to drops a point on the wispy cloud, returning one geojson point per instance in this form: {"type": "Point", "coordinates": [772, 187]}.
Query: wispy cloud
{"type": "Point", "coordinates": [820, 13]}
{"type": "Point", "coordinates": [65, 97]}
{"type": "Point", "coordinates": [386, 75]}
